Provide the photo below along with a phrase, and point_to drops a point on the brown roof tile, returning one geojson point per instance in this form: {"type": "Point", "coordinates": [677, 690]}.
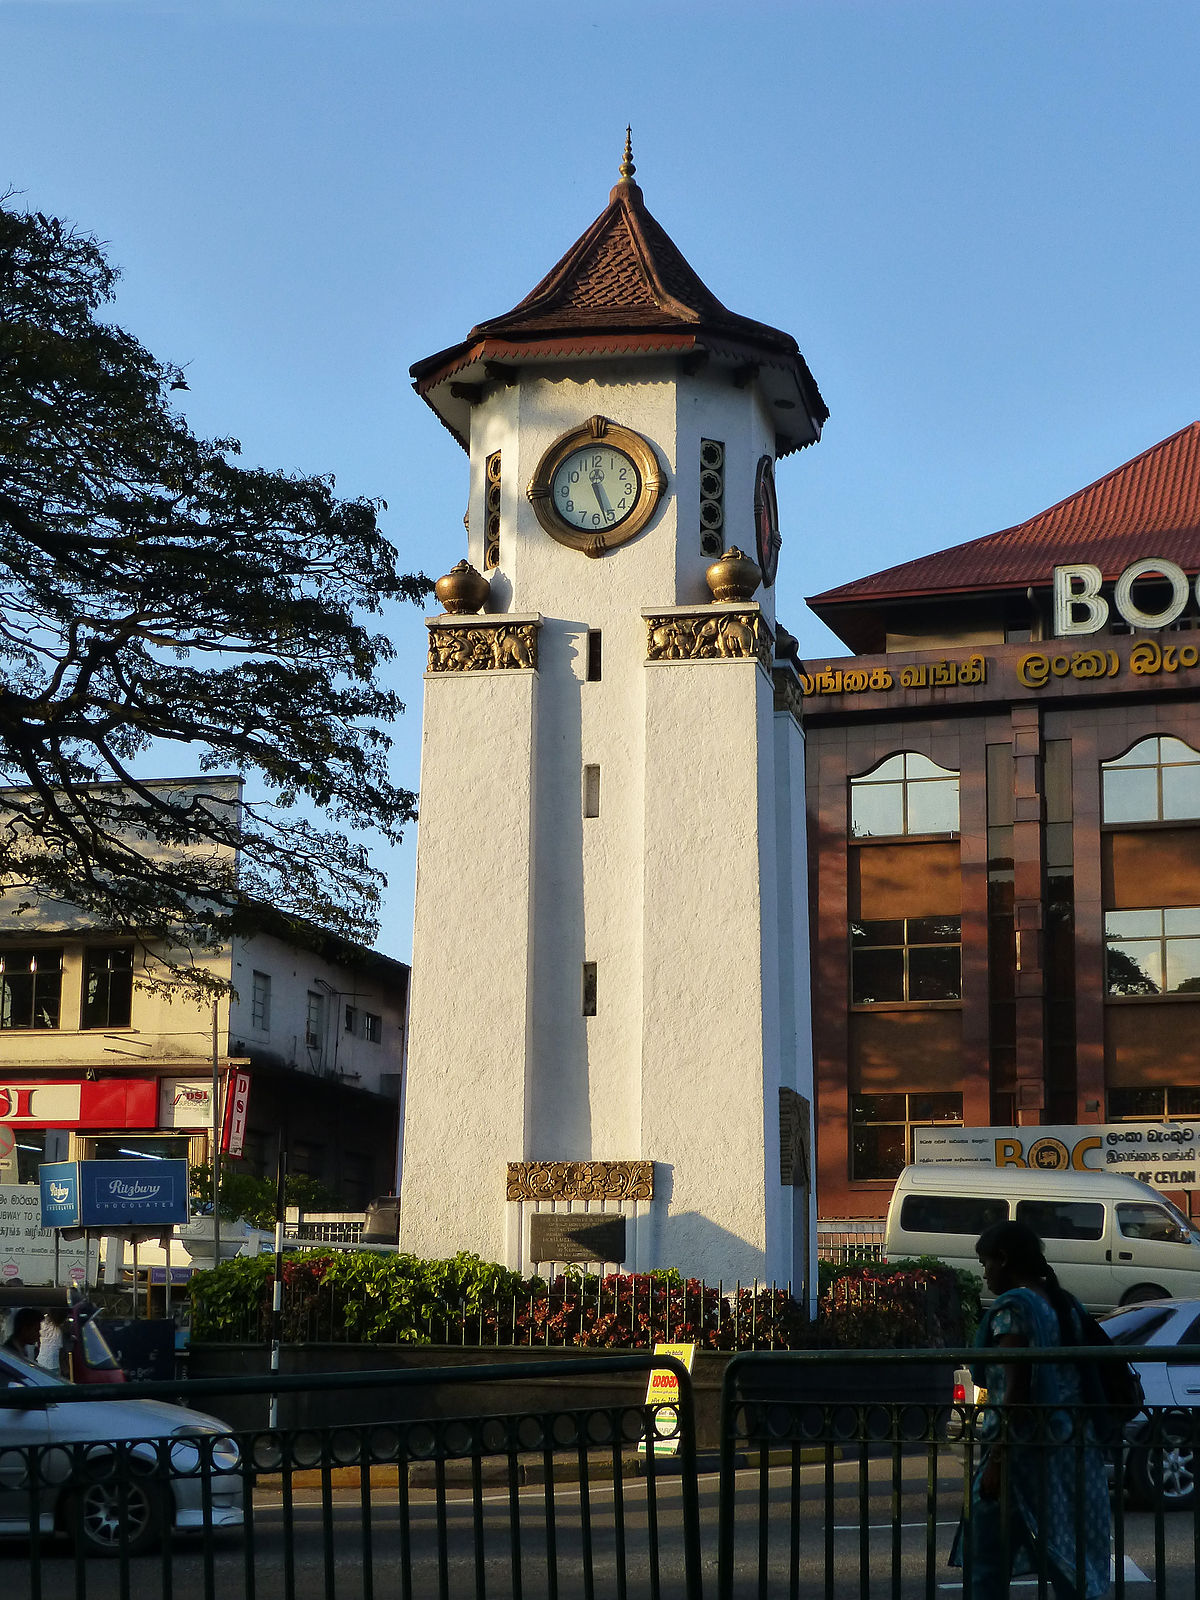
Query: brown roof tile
{"type": "Point", "coordinates": [625, 278]}
{"type": "Point", "coordinates": [1148, 507]}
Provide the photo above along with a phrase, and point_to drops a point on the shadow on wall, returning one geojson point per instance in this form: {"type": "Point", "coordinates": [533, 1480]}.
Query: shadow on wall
{"type": "Point", "coordinates": [698, 1248]}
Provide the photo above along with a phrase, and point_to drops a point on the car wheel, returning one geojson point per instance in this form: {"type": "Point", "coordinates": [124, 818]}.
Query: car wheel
{"type": "Point", "coordinates": [112, 1511]}
{"type": "Point", "coordinates": [1142, 1291]}
{"type": "Point", "coordinates": [1165, 1474]}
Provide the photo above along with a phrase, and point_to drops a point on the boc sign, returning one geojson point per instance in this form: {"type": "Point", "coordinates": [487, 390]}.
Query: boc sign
{"type": "Point", "coordinates": [1079, 607]}
{"type": "Point", "coordinates": [1163, 1154]}
{"type": "Point", "coordinates": [114, 1194]}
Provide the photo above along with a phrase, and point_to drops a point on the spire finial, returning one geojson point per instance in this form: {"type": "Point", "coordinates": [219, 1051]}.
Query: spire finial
{"type": "Point", "coordinates": [627, 167]}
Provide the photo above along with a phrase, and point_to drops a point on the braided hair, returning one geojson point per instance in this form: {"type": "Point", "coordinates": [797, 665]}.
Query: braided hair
{"type": "Point", "coordinates": [1022, 1249]}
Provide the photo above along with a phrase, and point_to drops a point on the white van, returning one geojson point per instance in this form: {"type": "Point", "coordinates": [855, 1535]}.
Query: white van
{"type": "Point", "coordinates": [1111, 1240]}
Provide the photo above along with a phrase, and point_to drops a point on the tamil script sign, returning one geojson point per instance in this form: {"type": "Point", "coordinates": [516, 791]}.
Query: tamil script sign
{"type": "Point", "coordinates": [1165, 1154]}
{"type": "Point", "coordinates": [27, 1253]}
{"type": "Point", "coordinates": [114, 1194]}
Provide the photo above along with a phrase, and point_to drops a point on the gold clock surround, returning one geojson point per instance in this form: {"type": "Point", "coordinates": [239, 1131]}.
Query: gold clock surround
{"type": "Point", "coordinates": [653, 482]}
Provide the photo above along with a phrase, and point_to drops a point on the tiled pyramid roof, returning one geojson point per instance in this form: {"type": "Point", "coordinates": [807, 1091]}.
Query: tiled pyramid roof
{"type": "Point", "coordinates": [626, 273]}
{"type": "Point", "coordinates": [624, 288]}
{"type": "Point", "coordinates": [1148, 507]}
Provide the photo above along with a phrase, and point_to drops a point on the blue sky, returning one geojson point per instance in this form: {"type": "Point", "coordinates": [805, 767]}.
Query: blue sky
{"type": "Point", "coordinates": [977, 218]}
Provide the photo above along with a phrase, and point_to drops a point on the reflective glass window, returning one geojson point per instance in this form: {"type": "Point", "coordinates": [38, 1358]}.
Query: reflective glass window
{"type": "Point", "coordinates": [1157, 781]}
{"type": "Point", "coordinates": [917, 959]}
{"type": "Point", "coordinates": [1062, 1219]}
{"type": "Point", "coordinates": [881, 1130]}
{"type": "Point", "coordinates": [1143, 1220]}
{"type": "Point", "coordinates": [938, 1213]}
{"type": "Point", "coordinates": [30, 988]}
{"type": "Point", "coordinates": [1151, 952]}
{"type": "Point", "coordinates": [906, 793]}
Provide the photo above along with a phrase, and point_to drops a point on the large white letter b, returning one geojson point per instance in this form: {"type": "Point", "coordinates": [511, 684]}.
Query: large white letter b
{"type": "Point", "coordinates": [1078, 588]}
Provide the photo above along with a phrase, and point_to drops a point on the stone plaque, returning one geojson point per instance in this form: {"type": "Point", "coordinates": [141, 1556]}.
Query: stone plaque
{"type": "Point", "coordinates": [557, 1236]}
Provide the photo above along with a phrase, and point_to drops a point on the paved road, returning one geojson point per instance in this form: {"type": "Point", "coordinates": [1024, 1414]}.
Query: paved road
{"type": "Point", "coordinates": [897, 1548]}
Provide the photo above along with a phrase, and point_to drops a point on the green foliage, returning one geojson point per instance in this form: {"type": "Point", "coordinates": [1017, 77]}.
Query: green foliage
{"type": "Point", "coordinates": [243, 1195]}
{"type": "Point", "coordinates": [362, 1297]}
{"type": "Point", "coordinates": [348, 1295]}
{"type": "Point", "coordinates": [152, 589]}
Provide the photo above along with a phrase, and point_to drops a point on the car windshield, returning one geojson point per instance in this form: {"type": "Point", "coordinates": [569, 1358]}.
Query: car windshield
{"type": "Point", "coordinates": [1136, 1325]}
{"type": "Point", "coordinates": [17, 1370]}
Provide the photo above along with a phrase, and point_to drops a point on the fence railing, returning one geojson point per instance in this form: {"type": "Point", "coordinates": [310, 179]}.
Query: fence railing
{"type": "Point", "coordinates": [841, 1242]}
{"type": "Point", "coordinates": [840, 1475]}
{"type": "Point", "coordinates": [622, 1311]}
{"type": "Point", "coordinates": [525, 1503]}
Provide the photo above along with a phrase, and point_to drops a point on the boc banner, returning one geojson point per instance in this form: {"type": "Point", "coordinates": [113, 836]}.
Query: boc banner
{"type": "Point", "coordinates": [1165, 1154]}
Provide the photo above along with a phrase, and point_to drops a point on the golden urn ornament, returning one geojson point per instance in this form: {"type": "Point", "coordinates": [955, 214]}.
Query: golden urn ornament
{"type": "Point", "coordinates": [734, 577]}
{"type": "Point", "coordinates": [462, 590]}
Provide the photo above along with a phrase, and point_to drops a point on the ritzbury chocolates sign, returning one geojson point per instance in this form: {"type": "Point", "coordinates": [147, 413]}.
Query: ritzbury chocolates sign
{"type": "Point", "coordinates": [114, 1194]}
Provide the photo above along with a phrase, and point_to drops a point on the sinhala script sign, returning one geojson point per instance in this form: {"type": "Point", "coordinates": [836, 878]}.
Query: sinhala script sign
{"type": "Point", "coordinates": [1164, 1154]}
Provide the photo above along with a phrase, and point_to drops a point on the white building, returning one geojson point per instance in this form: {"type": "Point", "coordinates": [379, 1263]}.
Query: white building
{"type": "Point", "coordinates": [609, 1046]}
{"type": "Point", "coordinates": [96, 1062]}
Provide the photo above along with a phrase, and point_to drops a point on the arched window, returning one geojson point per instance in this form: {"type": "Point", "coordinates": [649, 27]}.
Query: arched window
{"type": "Point", "coordinates": [1157, 781]}
{"type": "Point", "coordinates": [906, 793]}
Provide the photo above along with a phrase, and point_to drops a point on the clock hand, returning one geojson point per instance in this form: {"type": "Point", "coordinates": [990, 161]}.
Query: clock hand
{"type": "Point", "coordinates": [597, 478]}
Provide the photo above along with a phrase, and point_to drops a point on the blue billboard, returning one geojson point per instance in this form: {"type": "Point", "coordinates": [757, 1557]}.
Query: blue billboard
{"type": "Point", "coordinates": [114, 1194]}
{"type": "Point", "coordinates": [60, 1194]}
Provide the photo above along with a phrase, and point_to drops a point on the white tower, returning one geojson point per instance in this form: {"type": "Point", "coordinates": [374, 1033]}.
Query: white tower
{"type": "Point", "coordinates": [609, 1051]}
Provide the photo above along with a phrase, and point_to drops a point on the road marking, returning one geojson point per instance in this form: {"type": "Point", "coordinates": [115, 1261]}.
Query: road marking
{"type": "Point", "coordinates": [885, 1527]}
{"type": "Point", "coordinates": [1133, 1574]}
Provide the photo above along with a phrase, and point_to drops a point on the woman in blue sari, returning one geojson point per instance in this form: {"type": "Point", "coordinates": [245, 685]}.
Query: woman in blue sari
{"type": "Point", "coordinates": [1039, 1499]}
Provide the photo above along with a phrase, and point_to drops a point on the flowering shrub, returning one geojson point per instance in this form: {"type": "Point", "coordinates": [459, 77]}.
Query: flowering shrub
{"type": "Point", "coordinates": [361, 1297]}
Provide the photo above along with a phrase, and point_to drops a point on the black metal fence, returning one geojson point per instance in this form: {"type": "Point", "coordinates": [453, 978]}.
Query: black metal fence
{"type": "Point", "coordinates": [843, 1475]}
{"type": "Point", "coordinates": [621, 1311]}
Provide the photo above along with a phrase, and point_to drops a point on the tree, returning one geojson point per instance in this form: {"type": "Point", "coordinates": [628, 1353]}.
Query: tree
{"type": "Point", "coordinates": [155, 592]}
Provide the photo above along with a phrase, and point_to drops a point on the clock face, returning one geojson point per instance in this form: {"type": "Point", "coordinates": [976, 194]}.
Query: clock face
{"type": "Point", "coordinates": [595, 487]}
{"type": "Point", "coordinates": [766, 520]}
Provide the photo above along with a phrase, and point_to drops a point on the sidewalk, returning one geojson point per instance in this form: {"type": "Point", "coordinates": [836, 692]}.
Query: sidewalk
{"type": "Point", "coordinates": [530, 1469]}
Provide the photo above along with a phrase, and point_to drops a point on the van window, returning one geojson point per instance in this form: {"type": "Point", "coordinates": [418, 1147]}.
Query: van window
{"type": "Point", "coordinates": [1142, 1220]}
{"type": "Point", "coordinates": [1062, 1219]}
{"type": "Point", "coordinates": [946, 1213]}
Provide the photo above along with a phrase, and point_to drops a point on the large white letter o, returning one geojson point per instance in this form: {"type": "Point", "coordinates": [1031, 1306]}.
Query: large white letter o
{"type": "Point", "coordinates": [1123, 593]}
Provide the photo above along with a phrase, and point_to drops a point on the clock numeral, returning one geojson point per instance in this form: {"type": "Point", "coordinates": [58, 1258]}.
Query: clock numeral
{"type": "Point", "coordinates": [570, 505]}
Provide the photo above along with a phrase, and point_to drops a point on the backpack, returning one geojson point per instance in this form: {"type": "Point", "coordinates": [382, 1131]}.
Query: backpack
{"type": "Point", "coordinates": [1112, 1390]}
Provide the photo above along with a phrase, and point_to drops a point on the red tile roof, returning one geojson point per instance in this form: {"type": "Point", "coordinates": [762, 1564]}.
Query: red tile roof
{"type": "Point", "coordinates": [624, 287]}
{"type": "Point", "coordinates": [1148, 507]}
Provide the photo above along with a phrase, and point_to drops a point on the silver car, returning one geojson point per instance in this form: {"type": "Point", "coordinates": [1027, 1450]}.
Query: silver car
{"type": "Point", "coordinates": [1172, 1387]}
{"type": "Point", "coordinates": [125, 1470]}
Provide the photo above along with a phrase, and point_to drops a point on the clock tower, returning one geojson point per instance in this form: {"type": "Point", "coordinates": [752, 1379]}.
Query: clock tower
{"type": "Point", "coordinates": [609, 1057]}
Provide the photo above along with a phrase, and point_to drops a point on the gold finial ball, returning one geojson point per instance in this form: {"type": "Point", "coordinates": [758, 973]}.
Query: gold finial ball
{"type": "Point", "coordinates": [462, 590]}
{"type": "Point", "coordinates": [734, 577]}
{"type": "Point", "coordinates": [627, 167]}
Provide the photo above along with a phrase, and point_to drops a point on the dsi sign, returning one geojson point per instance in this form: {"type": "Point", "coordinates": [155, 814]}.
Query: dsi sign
{"type": "Point", "coordinates": [114, 1194]}
{"type": "Point", "coordinates": [1080, 608]}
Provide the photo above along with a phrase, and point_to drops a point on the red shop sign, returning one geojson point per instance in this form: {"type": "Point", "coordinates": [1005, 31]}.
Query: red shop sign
{"type": "Point", "coordinates": [103, 1103]}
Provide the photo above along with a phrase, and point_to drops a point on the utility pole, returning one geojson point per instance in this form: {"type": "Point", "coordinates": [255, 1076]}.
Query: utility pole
{"type": "Point", "coordinates": [216, 1137]}
{"type": "Point", "coordinates": [277, 1294]}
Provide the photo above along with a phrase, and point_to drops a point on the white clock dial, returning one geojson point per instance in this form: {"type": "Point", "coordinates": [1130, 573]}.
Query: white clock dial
{"type": "Point", "coordinates": [595, 487]}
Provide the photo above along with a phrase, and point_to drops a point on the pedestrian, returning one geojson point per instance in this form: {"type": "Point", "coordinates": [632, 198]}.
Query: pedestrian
{"type": "Point", "coordinates": [23, 1340]}
{"type": "Point", "coordinates": [1039, 1498]}
{"type": "Point", "coordinates": [52, 1354]}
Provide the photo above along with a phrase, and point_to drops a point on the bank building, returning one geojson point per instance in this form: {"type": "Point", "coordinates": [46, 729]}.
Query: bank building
{"type": "Point", "coordinates": [609, 1050]}
{"type": "Point", "coordinates": [1004, 834]}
